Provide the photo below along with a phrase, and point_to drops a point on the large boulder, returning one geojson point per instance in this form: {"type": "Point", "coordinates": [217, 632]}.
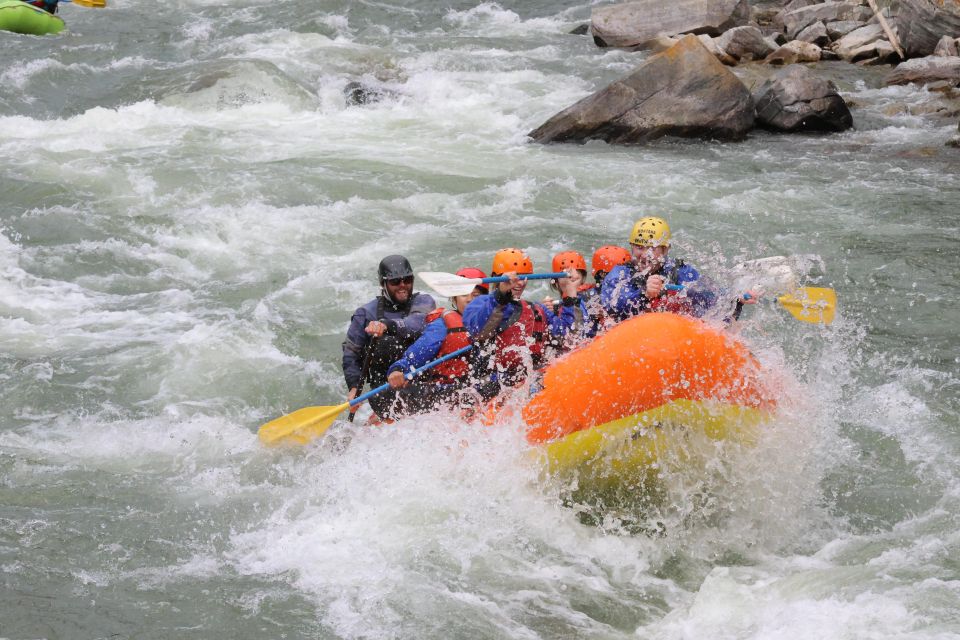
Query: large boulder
{"type": "Point", "coordinates": [795, 99]}
{"type": "Point", "coordinates": [799, 19]}
{"type": "Point", "coordinates": [634, 23]}
{"type": "Point", "coordinates": [921, 24]}
{"type": "Point", "coordinates": [683, 91]}
{"type": "Point", "coordinates": [926, 70]}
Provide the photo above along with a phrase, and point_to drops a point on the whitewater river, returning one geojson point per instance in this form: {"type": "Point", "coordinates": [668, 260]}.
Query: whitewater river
{"type": "Point", "coordinates": [190, 212]}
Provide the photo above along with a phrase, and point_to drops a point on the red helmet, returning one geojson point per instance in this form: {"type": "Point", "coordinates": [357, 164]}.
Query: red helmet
{"type": "Point", "coordinates": [567, 260]}
{"type": "Point", "coordinates": [473, 272]}
{"type": "Point", "coordinates": [608, 257]}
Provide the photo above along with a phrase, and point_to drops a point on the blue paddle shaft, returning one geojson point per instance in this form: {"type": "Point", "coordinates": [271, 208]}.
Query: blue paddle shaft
{"type": "Point", "coordinates": [412, 374]}
{"type": "Point", "coordinates": [526, 276]}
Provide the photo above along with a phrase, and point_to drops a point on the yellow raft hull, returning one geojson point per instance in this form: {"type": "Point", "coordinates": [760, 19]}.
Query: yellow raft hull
{"type": "Point", "coordinates": [638, 449]}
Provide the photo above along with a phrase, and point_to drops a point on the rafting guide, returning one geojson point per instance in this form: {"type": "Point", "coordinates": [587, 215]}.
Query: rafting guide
{"type": "Point", "coordinates": [381, 330]}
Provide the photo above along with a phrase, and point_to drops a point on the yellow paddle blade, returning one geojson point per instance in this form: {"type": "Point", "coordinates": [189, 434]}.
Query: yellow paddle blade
{"type": "Point", "coordinates": [811, 304]}
{"type": "Point", "coordinates": [295, 426]}
{"type": "Point", "coordinates": [95, 4]}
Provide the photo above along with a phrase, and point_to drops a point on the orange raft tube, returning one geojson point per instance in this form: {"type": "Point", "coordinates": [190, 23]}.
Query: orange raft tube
{"type": "Point", "coordinates": [632, 402]}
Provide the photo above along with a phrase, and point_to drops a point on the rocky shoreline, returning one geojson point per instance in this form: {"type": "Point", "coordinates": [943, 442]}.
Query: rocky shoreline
{"type": "Point", "coordinates": [688, 88]}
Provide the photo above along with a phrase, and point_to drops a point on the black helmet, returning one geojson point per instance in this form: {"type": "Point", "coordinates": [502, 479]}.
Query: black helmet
{"type": "Point", "coordinates": [394, 267]}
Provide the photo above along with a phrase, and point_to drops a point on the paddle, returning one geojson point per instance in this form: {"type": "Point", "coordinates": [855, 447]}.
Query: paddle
{"type": "Point", "coordinates": [449, 285]}
{"type": "Point", "coordinates": [367, 356]}
{"type": "Point", "coordinates": [311, 422]}
{"type": "Point", "coordinates": [808, 304]}
{"type": "Point", "coordinates": [94, 4]}
{"type": "Point", "coordinates": [811, 304]}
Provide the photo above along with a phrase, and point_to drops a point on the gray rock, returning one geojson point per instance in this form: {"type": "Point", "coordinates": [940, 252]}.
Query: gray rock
{"type": "Point", "coordinates": [359, 93]}
{"type": "Point", "coordinates": [661, 43]}
{"type": "Point", "coordinates": [794, 52]}
{"type": "Point", "coordinates": [815, 33]}
{"type": "Point", "coordinates": [581, 30]}
{"type": "Point", "coordinates": [683, 91]}
{"type": "Point", "coordinates": [633, 23]}
{"type": "Point", "coordinates": [925, 70]}
{"type": "Point", "coordinates": [856, 44]}
{"type": "Point", "coordinates": [795, 99]}
{"type": "Point", "coordinates": [718, 53]}
{"type": "Point", "coordinates": [840, 28]}
{"type": "Point", "coordinates": [744, 43]}
{"type": "Point", "coordinates": [793, 5]}
{"type": "Point", "coordinates": [799, 19]}
{"type": "Point", "coordinates": [946, 47]}
{"type": "Point", "coordinates": [921, 24]}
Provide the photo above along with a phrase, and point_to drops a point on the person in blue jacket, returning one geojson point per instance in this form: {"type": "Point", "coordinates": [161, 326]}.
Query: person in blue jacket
{"type": "Point", "coordinates": [512, 334]}
{"type": "Point", "coordinates": [641, 286]}
{"type": "Point", "coordinates": [445, 334]}
{"type": "Point", "coordinates": [382, 329]}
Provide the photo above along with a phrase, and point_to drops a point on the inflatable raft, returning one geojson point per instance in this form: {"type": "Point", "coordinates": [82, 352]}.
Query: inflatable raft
{"type": "Point", "coordinates": [20, 17]}
{"type": "Point", "coordinates": [619, 411]}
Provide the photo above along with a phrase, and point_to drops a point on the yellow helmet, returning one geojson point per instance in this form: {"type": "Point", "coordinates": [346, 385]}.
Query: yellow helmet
{"type": "Point", "coordinates": [651, 232]}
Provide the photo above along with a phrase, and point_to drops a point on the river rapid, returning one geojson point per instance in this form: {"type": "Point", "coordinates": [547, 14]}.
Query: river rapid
{"type": "Point", "coordinates": [190, 213]}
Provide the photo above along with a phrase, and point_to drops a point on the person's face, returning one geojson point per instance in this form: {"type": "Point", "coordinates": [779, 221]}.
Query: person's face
{"type": "Point", "coordinates": [461, 302]}
{"type": "Point", "coordinates": [400, 289]}
{"type": "Point", "coordinates": [517, 289]}
{"type": "Point", "coordinates": [648, 259]}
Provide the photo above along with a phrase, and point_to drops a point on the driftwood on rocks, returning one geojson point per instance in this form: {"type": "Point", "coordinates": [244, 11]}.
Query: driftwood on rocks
{"type": "Point", "coordinates": [926, 70]}
{"type": "Point", "coordinates": [683, 91]}
{"type": "Point", "coordinates": [632, 24]}
{"type": "Point", "coordinates": [795, 99]}
{"type": "Point", "coordinates": [887, 30]}
{"type": "Point", "coordinates": [921, 24]}
{"type": "Point", "coordinates": [794, 52]}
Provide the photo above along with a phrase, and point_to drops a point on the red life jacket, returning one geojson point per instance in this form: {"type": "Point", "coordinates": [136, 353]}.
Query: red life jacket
{"type": "Point", "coordinates": [524, 334]}
{"type": "Point", "coordinates": [672, 302]}
{"type": "Point", "coordinates": [457, 338]}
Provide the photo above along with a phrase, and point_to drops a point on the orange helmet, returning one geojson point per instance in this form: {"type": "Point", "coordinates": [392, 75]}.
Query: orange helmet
{"type": "Point", "coordinates": [607, 257]}
{"type": "Point", "coordinates": [473, 272]}
{"type": "Point", "coordinates": [567, 260]}
{"type": "Point", "coordinates": [511, 260]}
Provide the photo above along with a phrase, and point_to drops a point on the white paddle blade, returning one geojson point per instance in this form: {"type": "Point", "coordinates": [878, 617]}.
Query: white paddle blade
{"type": "Point", "coordinates": [448, 284]}
{"type": "Point", "coordinates": [774, 275]}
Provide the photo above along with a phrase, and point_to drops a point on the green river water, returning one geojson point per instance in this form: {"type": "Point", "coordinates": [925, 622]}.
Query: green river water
{"type": "Point", "coordinates": [190, 213]}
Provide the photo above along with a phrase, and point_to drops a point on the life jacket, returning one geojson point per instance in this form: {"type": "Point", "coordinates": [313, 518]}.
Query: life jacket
{"type": "Point", "coordinates": [672, 301]}
{"type": "Point", "coordinates": [525, 333]}
{"type": "Point", "coordinates": [386, 349]}
{"type": "Point", "coordinates": [458, 337]}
